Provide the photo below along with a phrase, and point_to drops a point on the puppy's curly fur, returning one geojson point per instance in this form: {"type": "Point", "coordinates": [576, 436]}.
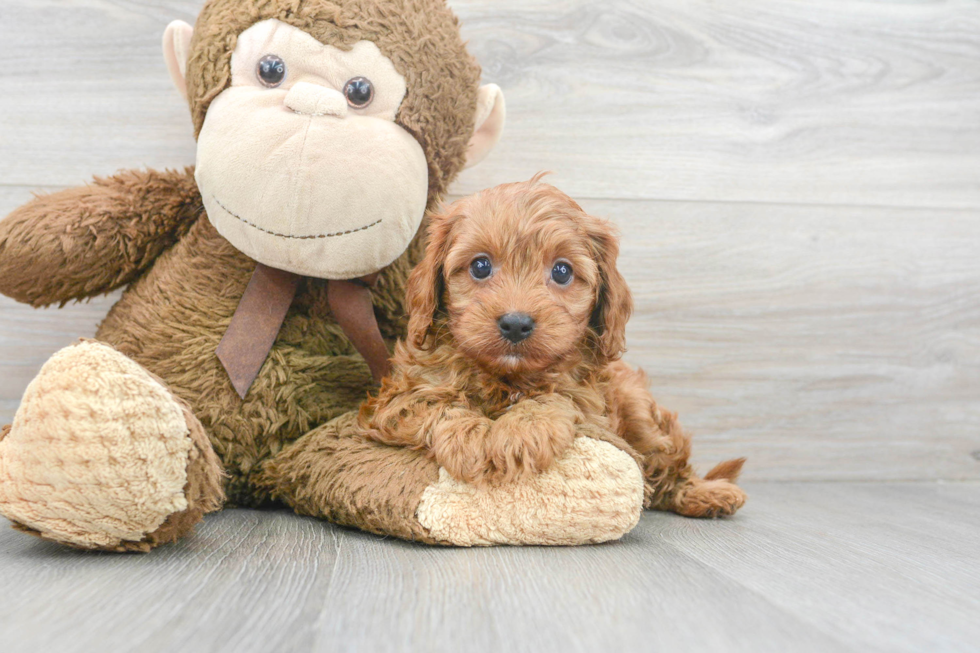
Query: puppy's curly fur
{"type": "Point", "coordinates": [494, 410]}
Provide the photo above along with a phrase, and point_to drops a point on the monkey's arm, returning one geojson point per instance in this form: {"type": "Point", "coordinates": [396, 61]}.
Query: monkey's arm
{"type": "Point", "coordinates": [89, 240]}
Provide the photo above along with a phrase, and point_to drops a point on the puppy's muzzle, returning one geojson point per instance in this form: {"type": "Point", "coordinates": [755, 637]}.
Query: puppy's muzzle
{"type": "Point", "coordinates": [516, 327]}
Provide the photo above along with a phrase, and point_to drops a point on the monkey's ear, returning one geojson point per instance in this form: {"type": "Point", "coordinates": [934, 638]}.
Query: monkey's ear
{"type": "Point", "coordinates": [491, 112]}
{"type": "Point", "coordinates": [176, 49]}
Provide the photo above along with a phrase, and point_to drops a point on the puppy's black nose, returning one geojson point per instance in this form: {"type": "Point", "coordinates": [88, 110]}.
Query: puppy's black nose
{"type": "Point", "coordinates": [515, 327]}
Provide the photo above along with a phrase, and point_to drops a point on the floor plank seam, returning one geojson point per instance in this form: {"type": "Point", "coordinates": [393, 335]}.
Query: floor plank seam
{"type": "Point", "coordinates": [761, 595]}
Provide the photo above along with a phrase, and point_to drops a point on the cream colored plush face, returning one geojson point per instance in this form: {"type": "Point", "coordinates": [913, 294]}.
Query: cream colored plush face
{"type": "Point", "coordinates": [296, 177]}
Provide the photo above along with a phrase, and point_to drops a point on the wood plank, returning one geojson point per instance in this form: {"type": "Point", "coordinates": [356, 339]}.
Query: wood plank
{"type": "Point", "coordinates": [823, 343]}
{"type": "Point", "coordinates": [212, 592]}
{"type": "Point", "coordinates": [884, 567]}
{"type": "Point", "coordinates": [632, 595]}
{"type": "Point", "coordinates": [868, 102]}
{"type": "Point", "coordinates": [805, 566]}
{"type": "Point", "coordinates": [840, 102]}
{"type": "Point", "coordinates": [87, 91]}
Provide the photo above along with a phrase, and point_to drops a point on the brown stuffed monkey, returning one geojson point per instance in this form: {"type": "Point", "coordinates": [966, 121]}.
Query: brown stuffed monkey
{"type": "Point", "coordinates": [225, 373]}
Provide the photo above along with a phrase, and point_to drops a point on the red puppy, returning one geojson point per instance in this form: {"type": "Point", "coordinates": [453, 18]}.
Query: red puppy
{"type": "Point", "coordinates": [517, 319]}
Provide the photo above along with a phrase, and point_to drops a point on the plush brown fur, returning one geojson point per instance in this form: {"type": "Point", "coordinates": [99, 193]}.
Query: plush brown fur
{"type": "Point", "coordinates": [90, 240]}
{"type": "Point", "coordinates": [336, 473]}
{"type": "Point", "coordinates": [490, 411]}
{"type": "Point", "coordinates": [149, 230]}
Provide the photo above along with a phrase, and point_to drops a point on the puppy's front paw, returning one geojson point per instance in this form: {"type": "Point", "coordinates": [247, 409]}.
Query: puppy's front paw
{"type": "Point", "coordinates": [459, 444]}
{"type": "Point", "coordinates": [526, 440]}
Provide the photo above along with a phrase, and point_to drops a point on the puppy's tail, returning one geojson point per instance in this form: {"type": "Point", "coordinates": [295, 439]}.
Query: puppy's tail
{"type": "Point", "coordinates": [728, 470]}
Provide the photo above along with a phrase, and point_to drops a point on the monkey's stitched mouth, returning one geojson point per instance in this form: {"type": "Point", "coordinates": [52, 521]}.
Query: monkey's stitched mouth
{"type": "Point", "coordinates": [278, 235]}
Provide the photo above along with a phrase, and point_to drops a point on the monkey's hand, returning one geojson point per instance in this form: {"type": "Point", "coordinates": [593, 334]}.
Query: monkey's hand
{"type": "Point", "coordinates": [528, 438]}
{"type": "Point", "coordinates": [89, 240]}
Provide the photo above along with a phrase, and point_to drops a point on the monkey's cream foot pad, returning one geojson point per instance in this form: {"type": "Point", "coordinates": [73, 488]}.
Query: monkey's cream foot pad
{"type": "Point", "coordinates": [97, 454]}
{"type": "Point", "coordinates": [593, 494]}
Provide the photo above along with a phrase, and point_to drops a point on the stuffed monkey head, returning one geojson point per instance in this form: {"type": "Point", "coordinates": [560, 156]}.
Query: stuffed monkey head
{"type": "Point", "coordinates": [326, 128]}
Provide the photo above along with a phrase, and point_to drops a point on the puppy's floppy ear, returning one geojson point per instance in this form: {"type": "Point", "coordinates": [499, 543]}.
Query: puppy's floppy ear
{"type": "Point", "coordinates": [614, 303]}
{"type": "Point", "coordinates": [423, 293]}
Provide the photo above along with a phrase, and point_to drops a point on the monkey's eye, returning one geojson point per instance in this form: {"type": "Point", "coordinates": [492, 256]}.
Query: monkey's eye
{"type": "Point", "coordinates": [359, 92]}
{"type": "Point", "coordinates": [481, 267]}
{"type": "Point", "coordinates": [271, 70]}
{"type": "Point", "coordinates": [561, 273]}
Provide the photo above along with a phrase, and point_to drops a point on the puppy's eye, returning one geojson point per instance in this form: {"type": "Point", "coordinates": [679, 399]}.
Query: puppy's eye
{"type": "Point", "coordinates": [271, 70]}
{"type": "Point", "coordinates": [481, 267]}
{"type": "Point", "coordinates": [359, 92]}
{"type": "Point", "coordinates": [562, 273]}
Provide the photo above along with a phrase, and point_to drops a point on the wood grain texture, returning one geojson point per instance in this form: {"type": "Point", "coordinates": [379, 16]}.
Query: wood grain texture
{"type": "Point", "coordinates": [87, 91]}
{"type": "Point", "coordinates": [837, 102]}
{"type": "Point", "coordinates": [823, 343]}
{"type": "Point", "coordinates": [805, 567]}
{"type": "Point", "coordinates": [854, 102]}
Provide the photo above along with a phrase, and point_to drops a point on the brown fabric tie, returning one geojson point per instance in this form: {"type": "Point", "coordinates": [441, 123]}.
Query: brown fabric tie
{"type": "Point", "coordinates": [352, 308]}
{"type": "Point", "coordinates": [262, 309]}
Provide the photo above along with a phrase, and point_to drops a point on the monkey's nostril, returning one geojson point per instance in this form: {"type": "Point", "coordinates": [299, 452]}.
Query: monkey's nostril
{"type": "Point", "coordinates": [515, 327]}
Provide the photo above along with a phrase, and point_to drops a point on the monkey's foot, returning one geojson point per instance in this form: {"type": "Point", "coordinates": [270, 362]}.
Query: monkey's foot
{"type": "Point", "coordinates": [593, 493]}
{"type": "Point", "coordinates": [102, 456]}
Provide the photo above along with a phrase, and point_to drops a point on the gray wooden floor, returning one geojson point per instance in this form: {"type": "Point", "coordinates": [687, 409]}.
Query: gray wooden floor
{"type": "Point", "coordinates": [798, 187]}
{"type": "Point", "coordinates": [807, 567]}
